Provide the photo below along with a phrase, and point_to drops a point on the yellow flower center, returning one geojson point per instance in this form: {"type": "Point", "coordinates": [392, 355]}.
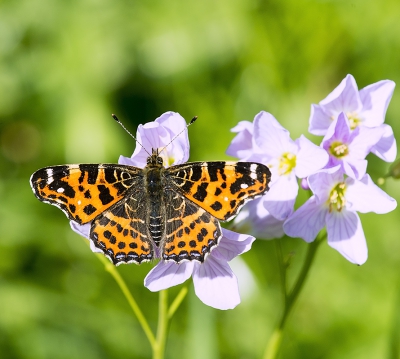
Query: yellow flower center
{"type": "Point", "coordinates": [337, 200]}
{"type": "Point", "coordinates": [286, 163]}
{"type": "Point", "coordinates": [338, 149]}
{"type": "Point", "coordinates": [354, 119]}
{"type": "Point", "coordinates": [167, 160]}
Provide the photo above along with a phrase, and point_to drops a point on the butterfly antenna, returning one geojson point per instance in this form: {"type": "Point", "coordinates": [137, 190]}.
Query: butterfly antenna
{"type": "Point", "coordinates": [185, 129]}
{"type": "Point", "coordinates": [122, 125]}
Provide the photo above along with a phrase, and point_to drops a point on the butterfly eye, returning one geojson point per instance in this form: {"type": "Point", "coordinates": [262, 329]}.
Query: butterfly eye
{"type": "Point", "coordinates": [148, 160]}
{"type": "Point", "coordinates": [160, 161]}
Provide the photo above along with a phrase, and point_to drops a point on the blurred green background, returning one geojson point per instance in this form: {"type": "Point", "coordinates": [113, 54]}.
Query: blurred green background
{"type": "Point", "coordinates": [65, 66]}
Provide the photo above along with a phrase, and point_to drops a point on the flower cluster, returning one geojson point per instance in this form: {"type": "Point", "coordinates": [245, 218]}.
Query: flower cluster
{"type": "Point", "coordinates": [351, 122]}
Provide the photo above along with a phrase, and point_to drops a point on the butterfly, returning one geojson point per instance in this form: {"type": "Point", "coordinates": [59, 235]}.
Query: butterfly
{"type": "Point", "coordinates": [138, 214]}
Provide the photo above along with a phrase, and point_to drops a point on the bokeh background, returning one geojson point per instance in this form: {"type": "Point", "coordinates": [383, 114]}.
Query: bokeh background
{"type": "Point", "coordinates": [66, 66]}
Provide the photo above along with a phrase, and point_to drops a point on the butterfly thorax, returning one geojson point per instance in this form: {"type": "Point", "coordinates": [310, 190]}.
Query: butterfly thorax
{"type": "Point", "coordinates": [153, 182]}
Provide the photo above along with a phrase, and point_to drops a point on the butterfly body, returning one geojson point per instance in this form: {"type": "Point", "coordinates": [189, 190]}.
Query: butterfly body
{"type": "Point", "coordinates": [139, 214]}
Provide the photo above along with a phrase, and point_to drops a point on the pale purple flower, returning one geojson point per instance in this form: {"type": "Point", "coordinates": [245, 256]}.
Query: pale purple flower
{"type": "Point", "coordinates": [365, 109]}
{"type": "Point", "coordinates": [348, 148]}
{"type": "Point", "coordinates": [158, 135]}
{"type": "Point", "coordinates": [287, 159]}
{"type": "Point", "coordinates": [254, 218]}
{"type": "Point", "coordinates": [243, 145]}
{"type": "Point", "coordinates": [214, 282]}
{"type": "Point", "coordinates": [335, 204]}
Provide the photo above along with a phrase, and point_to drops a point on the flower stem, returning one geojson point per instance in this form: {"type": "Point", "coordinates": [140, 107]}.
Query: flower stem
{"type": "Point", "coordinates": [158, 350]}
{"type": "Point", "coordinates": [275, 341]}
{"type": "Point", "coordinates": [177, 302]}
{"type": "Point", "coordinates": [129, 297]}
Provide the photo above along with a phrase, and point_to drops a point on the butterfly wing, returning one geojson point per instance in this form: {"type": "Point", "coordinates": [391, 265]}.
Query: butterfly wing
{"type": "Point", "coordinates": [84, 191]}
{"type": "Point", "coordinates": [121, 232]}
{"type": "Point", "coordinates": [190, 232]}
{"type": "Point", "coordinates": [221, 188]}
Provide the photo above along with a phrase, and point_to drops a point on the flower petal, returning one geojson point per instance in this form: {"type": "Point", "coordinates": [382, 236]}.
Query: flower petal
{"type": "Point", "coordinates": [177, 127]}
{"type": "Point", "coordinates": [281, 196]}
{"type": "Point", "coordinates": [84, 230]}
{"type": "Point", "coordinates": [355, 168]}
{"type": "Point", "coordinates": [241, 145]}
{"type": "Point", "coordinates": [307, 221]}
{"type": "Point", "coordinates": [344, 98]}
{"type": "Point", "coordinates": [365, 196]}
{"type": "Point", "coordinates": [386, 148]}
{"type": "Point", "coordinates": [339, 130]}
{"type": "Point", "coordinates": [81, 229]}
{"type": "Point", "coordinates": [271, 137]}
{"type": "Point", "coordinates": [168, 274]}
{"type": "Point", "coordinates": [256, 220]}
{"type": "Point", "coordinates": [319, 121]}
{"type": "Point", "coordinates": [310, 158]}
{"type": "Point", "coordinates": [150, 135]}
{"type": "Point", "coordinates": [215, 284]}
{"type": "Point", "coordinates": [364, 141]}
{"type": "Point", "coordinates": [232, 244]}
{"type": "Point", "coordinates": [158, 135]}
{"type": "Point", "coordinates": [375, 99]}
{"type": "Point", "coordinates": [345, 234]}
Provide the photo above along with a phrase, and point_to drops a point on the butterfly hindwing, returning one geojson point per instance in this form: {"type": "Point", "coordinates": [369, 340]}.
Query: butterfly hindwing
{"type": "Point", "coordinates": [220, 188]}
{"type": "Point", "coordinates": [190, 232]}
{"type": "Point", "coordinates": [84, 191]}
{"type": "Point", "coordinates": [122, 233]}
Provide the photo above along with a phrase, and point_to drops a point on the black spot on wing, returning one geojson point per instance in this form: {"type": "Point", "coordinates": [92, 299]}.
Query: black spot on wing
{"type": "Point", "coordinates": [87, 194]}
{"type": "Point", "coordinates": [215, 168]}
{"type": "Point", "coordinates": [218, 191]}
{"type": "Point", "coordinates": [237, 185]}
{"type": "Point", "coordinates": [89, 209]}
{"type": "Point", "coordinates": [216, 206]}
{"type": "Point", "coordinates": [201, 192]}
{"type": "Point", "coordinates": [58, 183]}
{"type": "Point", "coordinates": [187, 186]}
{"type": "Point", "coordinates": [197, 172]}
{"type": "Point", "coordinates": [92, 173]}
{"type": "Point", "coordinates": [193, 244]}
{"type": "Point", "coordinates": [104, 196]}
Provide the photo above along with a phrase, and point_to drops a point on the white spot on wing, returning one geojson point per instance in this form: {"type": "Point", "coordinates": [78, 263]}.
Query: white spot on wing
{"type": "Point", "coordinates": [50, 178]}
{"type": "Point", "coordinates": [244, 185]}
{"type": "Point", "coordinates": [60, 190]}
{"type": "Point", "coordinates": [79, 202]}
{"type": "Point", "coordinates": [226, 199]}
{"type": "Point", "coordinates": [253, 169]}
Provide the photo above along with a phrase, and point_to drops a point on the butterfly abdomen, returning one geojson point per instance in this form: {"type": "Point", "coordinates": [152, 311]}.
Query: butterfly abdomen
{"type": "Point", "coordinates": [156, 219]}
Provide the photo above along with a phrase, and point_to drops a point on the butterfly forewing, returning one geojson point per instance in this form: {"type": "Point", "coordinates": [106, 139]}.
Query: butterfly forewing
{"type": "Point", "coordinates": [84, 191]}
{"type": "Point", "coordinates": [220, 188]}
{"type": "Point", "coordinates": [190, 232]}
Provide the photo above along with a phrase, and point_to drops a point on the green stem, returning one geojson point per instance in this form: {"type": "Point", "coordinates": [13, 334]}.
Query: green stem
{"type": "Point", "coordinates": [128, 295]}
{"type": "Point", "coordinates": [282, 266]}
{"type": "Point", "coordinates": [293, 295]}
{"type": "Point", "coordinates": [177, 302]}
{"type": "Point", "coordinates": [275, 341]}
{"type": "Point", "coordinates": [158, 350]}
